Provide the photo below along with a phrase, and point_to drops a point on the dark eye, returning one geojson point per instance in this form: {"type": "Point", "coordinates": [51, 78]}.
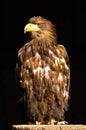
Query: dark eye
{"type": "Point", "coordinates": [41, 25]}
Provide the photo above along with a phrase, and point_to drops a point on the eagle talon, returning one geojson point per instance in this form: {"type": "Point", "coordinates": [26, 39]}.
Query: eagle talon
{"type": "Point", "coordinates": [52, 122]}
{"type": "Point", "coordinates": [39, 122]}
{"type": "Point", "coordinates": [62, 122]}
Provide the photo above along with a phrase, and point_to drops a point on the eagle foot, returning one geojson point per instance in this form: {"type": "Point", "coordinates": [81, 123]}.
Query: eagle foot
{"type": "Point", "coordinates": [54, 122]}
{"type": "Point", "coordinates": [39, 123]}
{"type": "Point", "coordinates": [62, 123]}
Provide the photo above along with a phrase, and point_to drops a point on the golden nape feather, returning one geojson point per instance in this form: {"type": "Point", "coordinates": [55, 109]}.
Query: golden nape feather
{"type": "Point", "coordinates": [44, 73]}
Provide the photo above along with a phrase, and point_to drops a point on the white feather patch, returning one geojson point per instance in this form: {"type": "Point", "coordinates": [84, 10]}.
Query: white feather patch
{"type": "Point", "coordinates": [65, 94]}
{"type": "Point", "coordinates": [37, 55]}
{"type": "Point", "coordinates": [46, 72]}
{"type": "Point", "coordinates": [38, 70]}
{"type": "Point", "coordinates": [66, 67]}
{"type": "Point", "coordinates": [60, 77]}
{"type": "Point", "coordinates": [42, 71]}
{"type": "Point", "coordinates": [54, 56]}
{"type": "Point", "coordinates": [50, 52]}
{"type": "Point", "coordinates": [57, 87]}
{"type": "Point", "coordinates": [62, 60]}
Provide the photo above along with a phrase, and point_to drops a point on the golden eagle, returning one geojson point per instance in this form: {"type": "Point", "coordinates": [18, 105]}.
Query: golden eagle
{"type": "Point", "coordinates": [44, 72]}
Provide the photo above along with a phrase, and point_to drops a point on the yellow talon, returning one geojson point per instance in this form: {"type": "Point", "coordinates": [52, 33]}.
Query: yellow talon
{"type": "Point", "coordinates": [52, 122]}
{"type": "Point", "coordinates": [39, 122]}
{"type": "Point", "coordinates": [62, 123]}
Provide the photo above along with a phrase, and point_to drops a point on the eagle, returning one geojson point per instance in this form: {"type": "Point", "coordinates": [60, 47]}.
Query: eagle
{"type": "Point", "coordinates": [43, 73]}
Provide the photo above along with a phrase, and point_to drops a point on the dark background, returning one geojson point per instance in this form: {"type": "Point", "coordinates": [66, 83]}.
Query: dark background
{"type": "Point", "coordinates": [69, 19]}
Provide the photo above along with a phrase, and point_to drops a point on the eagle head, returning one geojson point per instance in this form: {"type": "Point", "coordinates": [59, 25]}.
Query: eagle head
{"type": "Point", "coordinates": [40, 28]}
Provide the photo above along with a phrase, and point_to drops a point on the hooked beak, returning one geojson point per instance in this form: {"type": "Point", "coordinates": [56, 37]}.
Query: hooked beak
{"type": "Point", "coordinates": [31, 27]}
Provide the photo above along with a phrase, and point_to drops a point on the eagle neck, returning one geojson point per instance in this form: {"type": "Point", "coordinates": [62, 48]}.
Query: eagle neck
{"type": "Point", "coordinates": [41, 46]}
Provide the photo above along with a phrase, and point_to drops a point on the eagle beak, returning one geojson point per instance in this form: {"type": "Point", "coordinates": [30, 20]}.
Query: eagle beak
{"type": "Point", "coordinates": [31, 27]}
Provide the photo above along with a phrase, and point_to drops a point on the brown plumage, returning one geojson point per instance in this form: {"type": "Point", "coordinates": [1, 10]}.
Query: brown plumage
{"type": "Point", "coordinates": [44, 72]}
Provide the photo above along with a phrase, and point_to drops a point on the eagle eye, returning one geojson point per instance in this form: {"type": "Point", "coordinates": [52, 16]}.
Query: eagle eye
{"type": "Point", "coordinates": [41, 25]}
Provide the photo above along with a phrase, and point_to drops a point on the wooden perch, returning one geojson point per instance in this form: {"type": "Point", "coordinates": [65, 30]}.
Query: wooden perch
{"type": "Point", "coordinates": [49, 127]}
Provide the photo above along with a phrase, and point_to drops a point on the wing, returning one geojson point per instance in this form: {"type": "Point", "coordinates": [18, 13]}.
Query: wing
{"type": "Point", "coordinates": [59, 75]}
{"type": "Point", "coordinates": [63, 75]}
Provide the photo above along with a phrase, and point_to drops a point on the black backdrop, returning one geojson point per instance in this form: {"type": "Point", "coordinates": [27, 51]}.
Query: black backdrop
{"type": "Point", "coordinates": [69, 19]}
